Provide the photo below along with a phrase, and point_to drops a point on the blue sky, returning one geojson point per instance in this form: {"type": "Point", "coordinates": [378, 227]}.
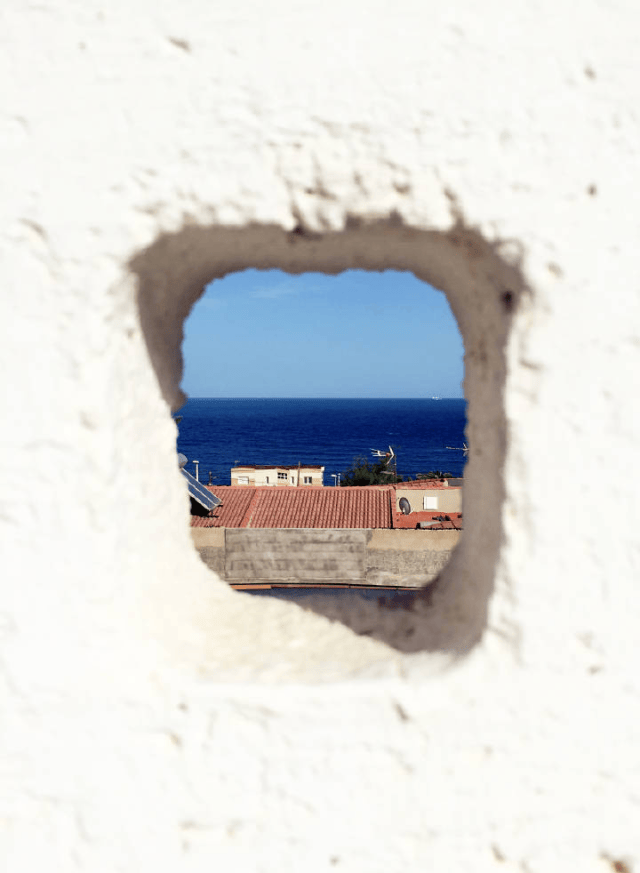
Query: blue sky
{"type": "Point", "coordinates": [263, 333]}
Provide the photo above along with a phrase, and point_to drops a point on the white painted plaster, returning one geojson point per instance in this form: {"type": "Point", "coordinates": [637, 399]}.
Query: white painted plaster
{"type": "Point", "coordinates": [153, 719]}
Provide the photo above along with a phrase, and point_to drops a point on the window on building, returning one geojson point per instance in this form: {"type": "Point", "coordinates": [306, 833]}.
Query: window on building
{"type": "Point", "coordinates": [282, 475]}
{"type": "Point", "coordinates": [243, 480]}
{"type": "Point", "coordinates": [430, 502]}
{"type": "Point", "coordinates": [307, 480]}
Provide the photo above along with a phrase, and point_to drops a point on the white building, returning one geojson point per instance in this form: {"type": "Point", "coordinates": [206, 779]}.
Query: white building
{"type": "Point", "coordinates": [255, 475]}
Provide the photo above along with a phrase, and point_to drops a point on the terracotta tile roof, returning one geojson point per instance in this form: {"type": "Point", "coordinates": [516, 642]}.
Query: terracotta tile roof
{"type": "Point", "coordinates": [370, 506]}
{"type": "Point", "coordinates": [242, 506]}
{"type": "Point", "coordinates": [425, 483]}
{"type": "Point", "coordinates": [235, 504]}
{"type": "Point", "coordinates": [326, 508]}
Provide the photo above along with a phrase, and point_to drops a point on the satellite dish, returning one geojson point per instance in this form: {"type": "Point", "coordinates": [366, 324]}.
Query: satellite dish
{"type": "Point", "coordinates": [182, 460]}
{"type": "Point", "coordinates": [405, 506]}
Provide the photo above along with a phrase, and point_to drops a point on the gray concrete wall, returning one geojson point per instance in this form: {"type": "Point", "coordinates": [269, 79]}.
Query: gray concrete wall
{"type": "Point", "coordinates": [408, 557]}
{"type": "Point", "coordinates": [295, 555]}
{"type": "Point", "coordinates": [208, 537]}
{"type": "Point", "coordinates": [210, 543]}
{"type": "Point", "coordinates": [214, 558]}
{"type": "Point", "coordinates": [403, 567]}
{"type": "Point", "coordinates": [414, 540]}
{"type": "Point", "coordinates": [372, 557]}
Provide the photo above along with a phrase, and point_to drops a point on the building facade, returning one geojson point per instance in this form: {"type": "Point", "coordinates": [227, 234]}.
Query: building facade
{"type": "Point", "coordinates": [430, 494]}
{"type": "Point", "coordinates": [255, 475]}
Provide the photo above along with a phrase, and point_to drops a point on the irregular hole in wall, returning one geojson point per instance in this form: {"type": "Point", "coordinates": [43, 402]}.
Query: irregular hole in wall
{"type": "Point", "coordinates": [484, 291]}
{"type": "Point", "coordinates": [315, 343]}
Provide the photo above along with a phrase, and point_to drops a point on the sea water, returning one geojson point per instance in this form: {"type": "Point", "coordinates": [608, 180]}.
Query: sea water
{"type": "Point", "coordinates": [223, 433]}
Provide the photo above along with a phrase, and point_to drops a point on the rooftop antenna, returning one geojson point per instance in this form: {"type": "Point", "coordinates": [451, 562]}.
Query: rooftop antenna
{"type": "Point", "coordinates": [378, 454]}
{"type": "Point", "coordinates": [464, 449]}
{"type": "Point", "coordinates": [390, 456]}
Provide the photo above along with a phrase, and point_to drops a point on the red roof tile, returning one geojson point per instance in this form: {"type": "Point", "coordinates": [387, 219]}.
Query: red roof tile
{"type": "Point", "coordinates": [425, 483]}
{"type": "Point", "coordinates": [235, 504]}
{"type": "Point", "coordinates": [242, 506]}
{"type": "Point", "coordinates": [326, 508]}
{"type": "Point", "coordinates": [369, 506]}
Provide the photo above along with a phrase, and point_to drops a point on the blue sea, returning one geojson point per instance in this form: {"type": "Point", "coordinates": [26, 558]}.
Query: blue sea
{"type": "Point", "coordinates": [221, 433]}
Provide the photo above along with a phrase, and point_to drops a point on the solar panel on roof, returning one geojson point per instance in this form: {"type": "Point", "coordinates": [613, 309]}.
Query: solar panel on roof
{"type": "Point", "coordinates": [199, 493]}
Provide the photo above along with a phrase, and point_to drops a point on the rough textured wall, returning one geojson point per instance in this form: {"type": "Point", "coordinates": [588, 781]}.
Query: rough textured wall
{"type": "Point", "coordinates": [294, 555]}
{"type": "Point", "coordinates": [373, 557]}
{"type": "Point", "coordinates": [408, 557]}
{"type": "Point", "coordinates": [153, 719]}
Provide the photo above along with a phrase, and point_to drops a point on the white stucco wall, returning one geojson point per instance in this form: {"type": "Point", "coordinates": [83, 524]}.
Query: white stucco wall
{"type": "Point", "coordinates": [151, 718]}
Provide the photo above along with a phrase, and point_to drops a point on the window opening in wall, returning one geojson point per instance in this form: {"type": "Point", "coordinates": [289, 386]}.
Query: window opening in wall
{"type": "Point", "coordinates": [362, 417]}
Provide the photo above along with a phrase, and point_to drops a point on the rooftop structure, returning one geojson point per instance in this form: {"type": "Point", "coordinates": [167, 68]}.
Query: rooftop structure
{"type": "Point", "coordinates": [258, 475]}
{"type": "Point", "coordinates": [370, 506]}
{"type": "Point", "coordinates": [429, 520]}
{"type": "Point", "coordinates": [365, 507]}
{"type": "Point", "coordinates": [426, 483]}
{"type": "Point", "coordinates": [430, 495]}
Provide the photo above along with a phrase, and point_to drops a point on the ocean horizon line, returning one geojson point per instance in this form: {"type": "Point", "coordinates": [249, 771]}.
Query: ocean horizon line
{"type": "Point", "coordinates": [323, 397]}
{"type": "Point", "coordinates": [330, 431]}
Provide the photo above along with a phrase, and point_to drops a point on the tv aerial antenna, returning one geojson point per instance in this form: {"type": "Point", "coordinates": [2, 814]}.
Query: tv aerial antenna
{"type": "Point", "coordinates": [378, 454]}
{"type": "Point", "coordinates": [390, 456]}
{"type": "Point", "coordinates": [464, 449]}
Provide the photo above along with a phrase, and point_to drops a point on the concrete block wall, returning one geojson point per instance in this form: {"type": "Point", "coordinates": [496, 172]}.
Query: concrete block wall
{"type": "Point", "coordinates": [154, 719]}
{"type": "Point", "coordinates": [295, 555]}
{"type": "Point", "coordinates": [411, 558]}
{"type": "Point", "coordinates": [373, 557]}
